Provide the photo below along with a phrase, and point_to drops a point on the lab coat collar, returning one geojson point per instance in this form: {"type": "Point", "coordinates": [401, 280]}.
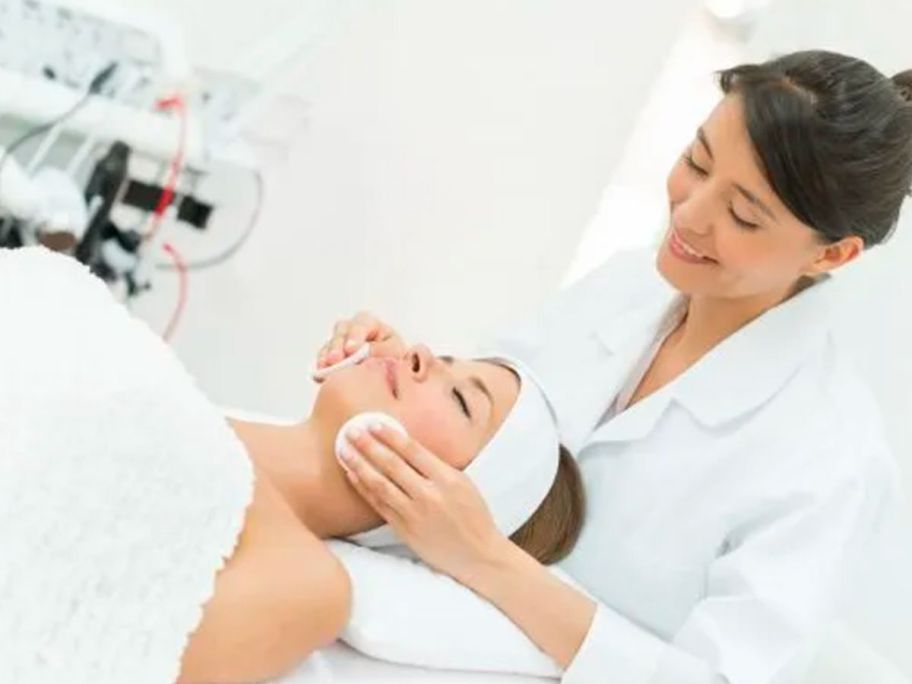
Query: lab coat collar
{"type": "Point", "coordinates": [737, 375]}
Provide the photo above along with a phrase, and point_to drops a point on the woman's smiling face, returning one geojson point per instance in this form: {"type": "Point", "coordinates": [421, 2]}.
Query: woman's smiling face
{"type": "Point", "coordinates": [450, 406]}
{"type": "Point", "coordinates": [723, 207]}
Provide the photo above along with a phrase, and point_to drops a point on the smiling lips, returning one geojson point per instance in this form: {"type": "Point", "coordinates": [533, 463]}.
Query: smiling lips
{"type": "Point", "coordinates": [684, 251]}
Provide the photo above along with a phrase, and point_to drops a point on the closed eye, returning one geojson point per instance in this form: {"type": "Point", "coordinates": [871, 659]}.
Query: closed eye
{"type": "Point", "coordinates": [460, 399]}
{"type": "Point", "coordinates": [703, 173]}
{"type": "Point", "coordinates": [700, 171]}
{"type": "Point", "coordinates": [740, 221]}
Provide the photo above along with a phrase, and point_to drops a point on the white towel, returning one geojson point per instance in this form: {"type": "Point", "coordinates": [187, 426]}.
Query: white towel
{"type": "Point", "coordinates": [122, 489]}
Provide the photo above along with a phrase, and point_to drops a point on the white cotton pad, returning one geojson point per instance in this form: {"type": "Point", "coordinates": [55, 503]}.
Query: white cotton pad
{"type": "Point", "coordinates": [356, 358]}
{"type": "Point", "coordinates": [363, 421]}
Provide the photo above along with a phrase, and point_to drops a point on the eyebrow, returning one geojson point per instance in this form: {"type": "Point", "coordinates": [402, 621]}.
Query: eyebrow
{"type": "Point", "coordinates": [748, 195]}
{"type": "Point", "coordinates": [753, 199]}
{"type": "Point", "coordinates": [701, 136]}
{"type": "Point", "coordinates": [474, 379]}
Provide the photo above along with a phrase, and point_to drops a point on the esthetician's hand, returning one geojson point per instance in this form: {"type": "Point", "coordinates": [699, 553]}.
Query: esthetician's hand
{"type": "Point", "coordinates": [434, 508]}
{"type": "Point", "coordinates": [350, 333]}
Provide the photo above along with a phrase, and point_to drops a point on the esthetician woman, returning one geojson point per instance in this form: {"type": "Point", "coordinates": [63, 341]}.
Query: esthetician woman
{"type": "Point", "coordinates": [733, 460]}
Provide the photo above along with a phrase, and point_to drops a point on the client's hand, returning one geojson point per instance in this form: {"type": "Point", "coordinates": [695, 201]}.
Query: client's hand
{"type": "Point", "coordinates": [350, 334]}
{"type": "Point", "coordinates": [434, 508]}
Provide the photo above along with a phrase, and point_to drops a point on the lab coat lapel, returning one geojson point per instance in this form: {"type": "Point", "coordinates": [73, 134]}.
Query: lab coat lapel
{"type": "Point", "coordinates": [734, 377]}
{"type": "Point", "coordinates": [627, 338]}
{"type": "Point", "coordinates": [623, 336]}
{"type": "Point", "coordinates": [754, 362]}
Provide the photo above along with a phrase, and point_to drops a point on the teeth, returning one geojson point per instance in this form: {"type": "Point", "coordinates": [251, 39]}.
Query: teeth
{"type": "Point", "coordinates": [687, 248]}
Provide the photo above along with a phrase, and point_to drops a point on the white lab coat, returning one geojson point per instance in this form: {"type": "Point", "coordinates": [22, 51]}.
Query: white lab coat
{"type": "Point", "coordinates": [724, 509]}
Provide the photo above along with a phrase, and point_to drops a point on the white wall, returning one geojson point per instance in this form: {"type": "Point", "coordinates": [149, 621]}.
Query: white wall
{"type": "Point", "coordinates": [454, 152]}
{"type": "Point", "coordinates": [874, 30]}
{"type": "Point", "coordinates": [633, 210]}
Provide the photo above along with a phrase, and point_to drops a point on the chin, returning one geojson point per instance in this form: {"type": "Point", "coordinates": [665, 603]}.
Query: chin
{"type": "Point", "coordinates": [669, 268]}
{"type": "Point", "coordinates": [339, 398]}
{"type": "Point", "coordinates": [345, 394]}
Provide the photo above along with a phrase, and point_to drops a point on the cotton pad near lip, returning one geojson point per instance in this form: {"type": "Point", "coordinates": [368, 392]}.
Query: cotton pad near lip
{"type": "Point", "coordinates": [356, 358]}
{"type": "Point", "coordinates": [363, 421]}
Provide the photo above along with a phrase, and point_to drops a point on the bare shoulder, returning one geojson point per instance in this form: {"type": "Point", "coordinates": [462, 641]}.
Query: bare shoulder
{"type": "Point", "coordinates": [281, 595]}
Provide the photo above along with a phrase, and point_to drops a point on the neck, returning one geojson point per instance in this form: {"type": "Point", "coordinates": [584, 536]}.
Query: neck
{"type": "Point", "coordinates": [710, 320]}
{"type": "Point", "coordinates": [299, 459]}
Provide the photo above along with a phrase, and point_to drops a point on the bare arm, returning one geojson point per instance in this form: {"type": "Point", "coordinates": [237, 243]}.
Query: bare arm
{"type": "Point", "coordinates": [559, 617]}
{"type": "Point", "coordinates": [438, 511]}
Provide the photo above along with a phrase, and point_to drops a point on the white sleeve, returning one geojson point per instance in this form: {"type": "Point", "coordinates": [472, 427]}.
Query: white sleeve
{"type": "Point", "coordinates": [768, 598]}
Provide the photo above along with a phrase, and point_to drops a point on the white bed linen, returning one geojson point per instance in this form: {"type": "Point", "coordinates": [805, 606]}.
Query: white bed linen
{"type": "Point", "coordinates": [340, 664]}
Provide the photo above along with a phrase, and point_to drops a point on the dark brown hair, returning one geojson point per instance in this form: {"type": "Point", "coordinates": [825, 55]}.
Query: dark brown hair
{"type": "Point", "coordinates": [834, 138]}
{"type": "Point", "coordinates": [553, 530]}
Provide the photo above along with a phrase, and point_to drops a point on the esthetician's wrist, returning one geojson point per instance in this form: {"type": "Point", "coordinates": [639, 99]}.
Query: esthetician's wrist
{"type": "Point", "coordinates": [499, 561]}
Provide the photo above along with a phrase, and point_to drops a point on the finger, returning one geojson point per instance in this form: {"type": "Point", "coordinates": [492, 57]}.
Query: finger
{"type": "Point", "coordinates": [391, 347]}
{"type": "Point", "coordinates": [383, 332]}
{"type": "Point", "coordinates": [385, 511]}
{"type": "Point", "coordinates": [357, 335]}
{"type": "Point", "coordinates": [388, 463]}
{"type": "Point", "coordinates": [419, 460]}
{"type": "Point", "coordinates": [335, 352]}
{"type": "Point", "coordinates": [376, 330]}
{"type": "Point", "coordinates": [372, 481]}
{"type": "Point", "coordinates": [371, 328]}
{"type": "Point", "coordinates": [321, 355]}
{"type": "Point", "coordinates": [368, 321]}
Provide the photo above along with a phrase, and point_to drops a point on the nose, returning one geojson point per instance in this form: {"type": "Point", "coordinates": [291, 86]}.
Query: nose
{"type": "Point", "coordinates": [420, 360]}
{"type": "Point", "coordinates": [695, 213]}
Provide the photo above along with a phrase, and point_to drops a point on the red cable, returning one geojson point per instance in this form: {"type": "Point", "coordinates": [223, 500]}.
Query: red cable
{"type": "Point", "coordinates": [175, 102]}
{"type": "Point", "coordinates": [183, 287]}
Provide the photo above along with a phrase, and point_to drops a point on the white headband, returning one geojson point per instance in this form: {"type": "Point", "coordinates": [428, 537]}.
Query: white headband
{"type": "Point", "coordinates": [513, 472]}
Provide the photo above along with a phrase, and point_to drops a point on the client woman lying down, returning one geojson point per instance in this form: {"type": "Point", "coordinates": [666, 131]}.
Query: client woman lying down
{"type": "Point", "coordinates": [283, 594]}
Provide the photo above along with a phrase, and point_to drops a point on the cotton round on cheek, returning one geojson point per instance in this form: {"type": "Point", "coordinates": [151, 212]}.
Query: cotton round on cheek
{"type": "Point", "coordinates": [363, 422]}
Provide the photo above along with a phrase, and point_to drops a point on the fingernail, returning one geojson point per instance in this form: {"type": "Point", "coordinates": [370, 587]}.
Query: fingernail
{"type": "Point", "coordinates": [345, 454]}
{"type": "Point", "coordinates": [354, 433]}
{"type": "Point", "coordinates": [350, 344]}
{"type": "Point", "coordinates": [376, 427]}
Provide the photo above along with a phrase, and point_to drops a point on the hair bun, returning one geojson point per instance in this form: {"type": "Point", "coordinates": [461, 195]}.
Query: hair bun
{"type": "Point", "coordinates": [903, 81]}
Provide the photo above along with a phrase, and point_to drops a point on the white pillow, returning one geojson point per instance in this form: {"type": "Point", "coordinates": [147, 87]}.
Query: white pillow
{"type": "Point", "coordinates": [405, 612]}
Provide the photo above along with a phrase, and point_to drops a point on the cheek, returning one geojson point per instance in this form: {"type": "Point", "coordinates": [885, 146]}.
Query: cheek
{"type": "Point", "coordinates": [677, 184]}
{"type": "Point", "coordinates": [441, 430]}
{"type": "Point", "coordinates": [347, 393]}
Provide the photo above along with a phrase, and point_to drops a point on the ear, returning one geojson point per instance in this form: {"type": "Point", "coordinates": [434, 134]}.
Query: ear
{"type": "Point", "coordinates": [837, 254]}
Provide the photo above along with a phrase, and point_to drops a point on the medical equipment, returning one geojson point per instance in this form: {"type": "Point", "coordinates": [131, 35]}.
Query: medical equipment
{"type": "Point", "coordinates": [88, 78]}
{"type": "Point", "coordinates": [23, 198]}
{"type": "Point", "coordinates": [362, 353]}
